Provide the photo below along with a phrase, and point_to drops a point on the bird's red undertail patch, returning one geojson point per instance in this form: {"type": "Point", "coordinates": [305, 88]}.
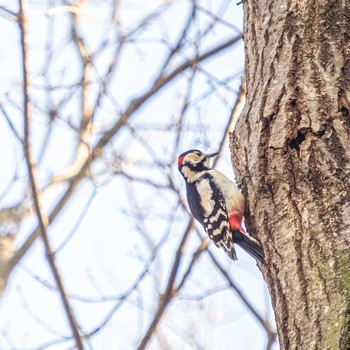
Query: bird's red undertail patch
{"type": "Point", "coordinates": [235, 223]}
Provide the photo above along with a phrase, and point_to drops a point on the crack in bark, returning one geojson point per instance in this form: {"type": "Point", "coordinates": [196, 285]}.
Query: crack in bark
{"type": "Point", "coordinates": [298, 338]}
{"type": "Point", "coordinates": [318, 329]}
{"type": "Point", "coordinates": [344, 108]}
{"type": "Point", "coordinates": [285, 317]}
{"type": "Point", "coordinates": [298, 246]}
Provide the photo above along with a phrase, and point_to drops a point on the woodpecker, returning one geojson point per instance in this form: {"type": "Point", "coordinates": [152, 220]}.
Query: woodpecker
{"type": "Point", "coordinates": [217, 204]}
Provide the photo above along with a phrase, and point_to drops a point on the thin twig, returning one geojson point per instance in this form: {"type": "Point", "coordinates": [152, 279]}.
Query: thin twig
{"type": "Point", "coordinates": [86, 78]}
{"type": "Point", "coordinates": [125, 295]}
{"type": "Point", "coordinates": [159, 83]}
{"type": "Point", "coordinates": [135, 104]}
{"type": "Point", "coordinates": [8, 13]}
{"type": "Point", "coordinates": [201, 248]}
{"type": "Point", "coordinates": [168, 294]}
{"type": "Point", "coordinates": [42, 218]}
{"type": "Point", "coordinates": [10, 123]}
{"type": "Point", "coordinates": [33, 312]}
{"type": "Point", "coordinates": [171, 291]}
{"type": "Point", "coordinates": [264, 323]}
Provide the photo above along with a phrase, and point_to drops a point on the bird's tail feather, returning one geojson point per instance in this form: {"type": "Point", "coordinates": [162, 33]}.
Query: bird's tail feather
{"type": "Point", "coordinates": [249, 244]}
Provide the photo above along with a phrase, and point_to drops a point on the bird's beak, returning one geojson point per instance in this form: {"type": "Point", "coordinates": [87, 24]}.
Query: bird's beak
{"type": "Point", "coordinates": [211, 155]}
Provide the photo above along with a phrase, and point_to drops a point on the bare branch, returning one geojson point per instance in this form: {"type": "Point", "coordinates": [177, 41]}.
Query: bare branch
{"type": "Point", "coordinates": [4, 11]}
{"type": "Point", "coordinates": [169, 290]}
{"type": "Point", "coordinates": [9, 122]}
{"type": "Point", "coordinates": [264, 323]}
{"type": "Point", "coordinates": [201, 248]}
{"type": "Point", "coordinates": [159, 83]}
{"type": "Point", "coordinates": [79, 103]}
{"type": "Point", "coordinates": [87, 72]}
{"type": "Point", "coordinates": [42, 218]}
{"type": "Point", "coordinates": [83, 167]}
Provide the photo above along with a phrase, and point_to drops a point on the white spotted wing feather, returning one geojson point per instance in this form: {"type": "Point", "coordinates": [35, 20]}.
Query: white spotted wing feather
{"type": "Point", "coordinates": [215, 220]}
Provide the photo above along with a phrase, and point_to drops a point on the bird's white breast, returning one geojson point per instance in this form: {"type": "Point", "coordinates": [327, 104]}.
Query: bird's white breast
{"type": "Point", "coordinates": [206, 195]}
{"type": "Point", "coordinates": [233, 198]}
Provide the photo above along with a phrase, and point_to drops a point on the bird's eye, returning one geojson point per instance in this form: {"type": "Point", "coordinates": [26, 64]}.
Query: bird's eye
{"type": "Point", "coordinates": [198, 154]}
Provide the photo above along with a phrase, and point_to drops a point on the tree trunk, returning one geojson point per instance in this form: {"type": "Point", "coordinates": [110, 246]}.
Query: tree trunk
{"type": "Point", "coordinates": [291, 151]}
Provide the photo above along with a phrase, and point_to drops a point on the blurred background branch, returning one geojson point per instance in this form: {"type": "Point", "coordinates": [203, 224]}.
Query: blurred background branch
{"type": "Point", "coordinates": [118, 90]}
{"type": "Point", "coordinates": [36, 194]}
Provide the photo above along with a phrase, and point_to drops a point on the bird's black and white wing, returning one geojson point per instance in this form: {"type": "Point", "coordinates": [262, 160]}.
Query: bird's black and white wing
{"type": "Point", "coordinates": [212, 214]}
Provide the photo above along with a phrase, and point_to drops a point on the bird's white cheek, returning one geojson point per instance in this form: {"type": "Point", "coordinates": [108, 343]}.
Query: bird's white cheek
{"type": "Point", "coordinates": [190, 175]}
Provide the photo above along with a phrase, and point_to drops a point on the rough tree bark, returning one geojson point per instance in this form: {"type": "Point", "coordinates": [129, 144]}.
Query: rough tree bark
{"type": "Point", "coordinates": [291, 151]}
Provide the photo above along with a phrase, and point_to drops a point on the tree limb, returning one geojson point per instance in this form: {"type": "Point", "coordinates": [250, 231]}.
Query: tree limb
{"type": "Point", "coordinates": [42, 218]}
